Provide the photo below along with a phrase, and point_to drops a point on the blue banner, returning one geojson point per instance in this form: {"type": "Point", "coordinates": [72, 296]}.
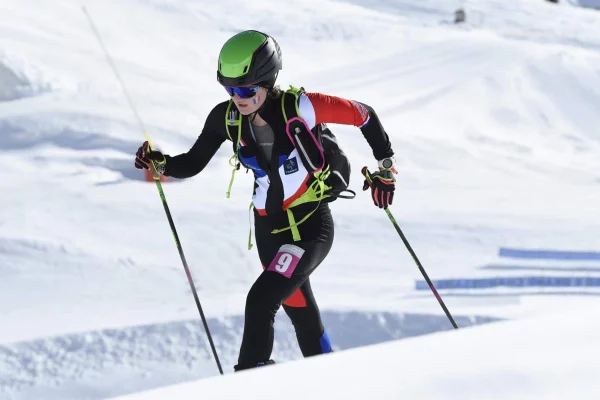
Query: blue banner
{"type": "Point", "coordinates": [548, 254]}
{"type": "Point", "coordinates": [521, 281]}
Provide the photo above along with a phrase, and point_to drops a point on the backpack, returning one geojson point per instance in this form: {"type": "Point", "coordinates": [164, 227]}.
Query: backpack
{"type": "Point", "coordinates": [319, 152]}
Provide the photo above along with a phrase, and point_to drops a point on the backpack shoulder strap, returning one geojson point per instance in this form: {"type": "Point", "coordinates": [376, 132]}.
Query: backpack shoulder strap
{"type": "Point", "coordinates": [289, 103]}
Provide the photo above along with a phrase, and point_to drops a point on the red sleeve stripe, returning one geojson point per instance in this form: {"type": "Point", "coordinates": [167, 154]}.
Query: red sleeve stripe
{"type": "Point", "coordinates": [336, 110]}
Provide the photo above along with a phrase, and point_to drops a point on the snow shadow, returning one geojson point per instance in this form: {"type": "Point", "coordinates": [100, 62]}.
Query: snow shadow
{"type": "Point", "coordinates": [25, 134]}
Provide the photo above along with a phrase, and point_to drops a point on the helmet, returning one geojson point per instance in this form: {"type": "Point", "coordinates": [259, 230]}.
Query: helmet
{"type": "Point", "coordinates": [247, 58]}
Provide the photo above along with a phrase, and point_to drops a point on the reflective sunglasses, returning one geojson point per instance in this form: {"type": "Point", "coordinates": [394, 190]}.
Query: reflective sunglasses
{"type": "Point", "coordinates": [243, 92]}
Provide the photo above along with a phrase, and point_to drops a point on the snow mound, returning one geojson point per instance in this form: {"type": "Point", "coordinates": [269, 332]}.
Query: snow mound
{"type": "Point", "coordinates": [11, 86]}
{"type": "Point", "coordinates": [546, 357]}
{"type": "Point", "coordinates": [141, 357]}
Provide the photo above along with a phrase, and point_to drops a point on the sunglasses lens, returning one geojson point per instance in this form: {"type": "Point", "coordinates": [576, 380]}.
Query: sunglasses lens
{"type": "Point", "coordinates": [230, 90]}
{"type": "Point", "coordinates": [243, 92]}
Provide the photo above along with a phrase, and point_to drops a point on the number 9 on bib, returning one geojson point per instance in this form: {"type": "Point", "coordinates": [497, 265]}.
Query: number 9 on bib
{"type": "Point", "coordinates": [286, 260]}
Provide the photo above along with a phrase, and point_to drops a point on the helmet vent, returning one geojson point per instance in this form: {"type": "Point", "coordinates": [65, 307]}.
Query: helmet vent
{"type": "Point", "coordinates": [245, 69]}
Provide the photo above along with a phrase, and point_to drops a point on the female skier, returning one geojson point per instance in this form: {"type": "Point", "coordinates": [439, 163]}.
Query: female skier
{"type": "Point", "coordinates": [298, 169]}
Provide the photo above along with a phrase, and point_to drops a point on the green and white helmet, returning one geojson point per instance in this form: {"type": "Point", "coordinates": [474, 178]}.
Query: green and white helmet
{"type": "Point", "coordinates": [250, 57]}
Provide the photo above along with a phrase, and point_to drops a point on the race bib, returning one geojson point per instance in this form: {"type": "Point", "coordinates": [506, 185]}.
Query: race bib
{"type": "Point", "coordinates": [286, 260]}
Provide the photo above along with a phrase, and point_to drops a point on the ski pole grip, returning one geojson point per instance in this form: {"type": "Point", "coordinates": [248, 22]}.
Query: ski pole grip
{"type": "Point", "coordinates": [367, 175]}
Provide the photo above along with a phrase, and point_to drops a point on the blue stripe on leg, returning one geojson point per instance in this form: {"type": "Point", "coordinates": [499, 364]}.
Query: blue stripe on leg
{"type": "Point", "coordinates": [325, 343]}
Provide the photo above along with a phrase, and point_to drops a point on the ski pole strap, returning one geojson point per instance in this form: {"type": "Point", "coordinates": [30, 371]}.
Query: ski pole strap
{"type": "Point", "coordinates": [367, 175]}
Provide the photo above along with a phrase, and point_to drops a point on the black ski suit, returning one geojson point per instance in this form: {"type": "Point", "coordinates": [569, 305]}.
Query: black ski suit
{"type": "Point", "coordinates": [287, 263]}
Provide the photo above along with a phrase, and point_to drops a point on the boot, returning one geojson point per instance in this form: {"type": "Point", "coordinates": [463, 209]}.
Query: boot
{"type": "Point", "coordinates": [238, 368]}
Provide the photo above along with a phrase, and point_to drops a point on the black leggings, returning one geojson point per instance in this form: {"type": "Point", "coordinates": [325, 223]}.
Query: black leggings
{"type": "Point", "coordinates": [284, 282]}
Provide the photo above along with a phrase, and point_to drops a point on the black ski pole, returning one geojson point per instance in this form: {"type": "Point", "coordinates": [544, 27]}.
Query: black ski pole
{"type": "Point", "coordinates": [156, 176]}
{"type": "Point", "coordinates": [367, 174]}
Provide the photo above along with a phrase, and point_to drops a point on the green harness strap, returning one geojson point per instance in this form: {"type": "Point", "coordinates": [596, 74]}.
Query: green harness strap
{"type": "Point", "coordinates": [233, 118]}
{"type": "Point", "coordinates": [316, 192]}
{"type": "Point", "coordinates": [234, 161]}
{"type": "Point", "coordinates": [250, 223]}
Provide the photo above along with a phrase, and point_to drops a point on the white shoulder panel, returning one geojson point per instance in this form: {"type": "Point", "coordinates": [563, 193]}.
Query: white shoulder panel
{"type": "Point", "coordinates": [307, 112]}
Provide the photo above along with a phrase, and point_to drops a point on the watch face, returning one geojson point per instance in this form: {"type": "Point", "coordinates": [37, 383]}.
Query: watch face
{"type": "Point", "coordinates": [387, 163]}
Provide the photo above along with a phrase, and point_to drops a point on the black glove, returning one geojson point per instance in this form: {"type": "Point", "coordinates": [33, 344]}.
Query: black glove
{"type": "Point", "coordinates": [382, 184]}
{"type": "Point", "coordinates": [145, 155]}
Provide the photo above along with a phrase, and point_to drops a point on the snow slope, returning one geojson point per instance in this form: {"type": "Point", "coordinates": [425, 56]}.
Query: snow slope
{"type": "Point", "coordinates": [494, 125]}
{"type": "Point", "coordinates": [534, 358]}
